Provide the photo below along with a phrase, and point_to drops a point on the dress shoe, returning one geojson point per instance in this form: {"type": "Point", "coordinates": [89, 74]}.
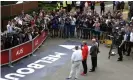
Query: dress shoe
{"type": "Point", "coordinates": [68, 78]}
{"type": "Point", "coordinates": [91, 71]}
{"type": "Point", "coordinates": [119, 60]}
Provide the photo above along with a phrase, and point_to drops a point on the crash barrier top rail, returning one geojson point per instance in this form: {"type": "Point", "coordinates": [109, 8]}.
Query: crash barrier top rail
{"type": "Point", "coordinates": [8, 56]}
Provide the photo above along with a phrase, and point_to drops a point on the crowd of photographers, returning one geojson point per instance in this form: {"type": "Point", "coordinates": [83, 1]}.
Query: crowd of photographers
{"type": "Point", "coordinates": [22, 28]}
{"type": "Point", "coordinates": [61, 23]}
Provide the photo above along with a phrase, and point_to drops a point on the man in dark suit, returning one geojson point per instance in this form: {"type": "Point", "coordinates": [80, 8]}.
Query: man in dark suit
{"type": "Point", "coordinates": [93, 53]}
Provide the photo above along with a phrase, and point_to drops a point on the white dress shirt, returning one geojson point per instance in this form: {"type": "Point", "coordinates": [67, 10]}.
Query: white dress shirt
{"type": "Point", "coordinates": [77, 3]}
{"type": "Point", "coordinates": [76, 56]}
{"type": "Point", "coordinates": [125, 37]}
{"type": "Point", "coordinates": [73, 21]}
{"type": "Point", "coordinates": [131, 37]}
{"type": "Point", "coordinates": [9, 28]}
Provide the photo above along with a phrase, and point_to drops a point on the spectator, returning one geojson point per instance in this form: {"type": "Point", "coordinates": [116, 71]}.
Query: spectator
{"type": "Point", "coordinates": [92, 6]}
{"type": "Point", "coordinates": [15, 40]}
{"type": "Point", "coordinates": [9, 27]}
{"type": "Point", "coordinates": [72, 28]}
{"type": "Point", "coordinates": [114, 5]}
{"type": "Point", "coordinates": [122, 5]}
{"type": "Point", "coordinates": [97, 29]}
{"type": "Point", "coordinates": [77, 4]}
{"type": "Point", "coordinates": [102, 4]}
{"type": "Point", "coordinates": [67, 26]}
{"type": "Point", "coordinates": [62, 23]}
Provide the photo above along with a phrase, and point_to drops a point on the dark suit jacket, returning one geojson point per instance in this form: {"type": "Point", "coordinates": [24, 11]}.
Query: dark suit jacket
{"type": "Point", "coordinates": [94, 51]}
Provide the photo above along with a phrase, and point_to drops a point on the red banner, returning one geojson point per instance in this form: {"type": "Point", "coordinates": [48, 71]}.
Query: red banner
{"type": "Point", "coordinates": [21, 51]}
{"type": "Point", "coordinates": [43, 36]}
{"type": "Point", "coordinates": [37, 42]}
{"type": "Point", "coordinates": [4, 57]}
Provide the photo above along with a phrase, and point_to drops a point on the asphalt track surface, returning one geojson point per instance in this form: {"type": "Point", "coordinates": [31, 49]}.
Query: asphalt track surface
{"type": "Point", "coordinates": [59, 70]}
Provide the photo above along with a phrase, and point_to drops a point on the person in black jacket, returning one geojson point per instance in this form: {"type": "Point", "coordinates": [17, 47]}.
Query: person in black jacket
{"type": "Point", "coordinates": [122, 5]}
{"type": "Point", "coordinates": [92, 6]}
{"type": "Point", "coordinates": [102, 4]}
{"type": "Point", "coordinates": [114, 5]}
{"type": "Point", "coordinates": [90, 26]}
{"type": "Point", "coordinates": [85, 29]}
{"type": "Point", "coordinates": [121, 43]}
{"type": "Point", "coordinates": [93, 53]}
{"type": "Point", "coordinates": [118, 5]}
{"type": "Point", "coordinates": [130, 3]}
{"type": "Point", "coordinates": [82, 6]}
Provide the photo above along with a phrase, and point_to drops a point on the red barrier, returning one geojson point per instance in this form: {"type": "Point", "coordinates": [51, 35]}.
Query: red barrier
{"type": "Point", "coordinates": [5, 57]}
{"type": "Point", "coordinates": [37, 42]}
{"type": "Point", "coordinates": [22, 50]}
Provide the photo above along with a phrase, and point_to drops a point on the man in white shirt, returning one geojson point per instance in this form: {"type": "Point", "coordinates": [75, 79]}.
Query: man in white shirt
{"type": "Point", "coordinates": [72, 28]}
{"type": "Point", "coordinates": [130, 43]}
{"type": "Point", "coordinates": [9, 27]}
{"type": "Point", "coordinates": [77, 4]}
{"type": "Point", "coordinates": [76, 60]}
{"type": "Point", "coordinates": [131, 36]}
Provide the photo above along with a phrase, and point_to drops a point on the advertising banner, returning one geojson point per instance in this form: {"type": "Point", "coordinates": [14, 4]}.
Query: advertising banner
{"type": "Point", "coordinates": [4, 57]}
{"type": "Point", "coordinates": [37, 42]}
{"type": "Point", "coordinates": [21, 51]}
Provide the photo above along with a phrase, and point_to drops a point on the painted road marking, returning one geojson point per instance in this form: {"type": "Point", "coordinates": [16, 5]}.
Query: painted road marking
{"type": "Point", "coordinates": [109, 5]}
{"type": "Point", "coordinates": [31, 68]}
{"type": "Point", "coordinates": [71, 47]}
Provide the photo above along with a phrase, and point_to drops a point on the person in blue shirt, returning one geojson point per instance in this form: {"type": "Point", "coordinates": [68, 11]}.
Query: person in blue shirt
{"type": "Point", "coordinates": [67, 26]}
{"type": "Point", "coordinates": [55, 27]}
{"type": "Point", "coordinates": [73, 24]}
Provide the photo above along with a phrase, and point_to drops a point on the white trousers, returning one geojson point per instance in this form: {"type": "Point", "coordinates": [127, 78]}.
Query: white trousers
{"type": "Point", "coordinates": [75, 68]}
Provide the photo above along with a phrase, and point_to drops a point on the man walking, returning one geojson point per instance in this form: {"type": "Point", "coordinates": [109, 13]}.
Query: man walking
{"type": "Point", "coordinates": [93, 53]}
{"type": "Point", "coordinates": [84, 55]}
{"type": "Point", "coordinates": [76, 61]}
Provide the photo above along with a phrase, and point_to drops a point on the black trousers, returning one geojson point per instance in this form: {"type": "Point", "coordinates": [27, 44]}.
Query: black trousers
{"type": "Point", "coordinates": [81, 9]}
{"type": "Point", "coordinates": [130, 44]}
{"type": "Point", "coordinates": [94, 63]}
{"type": "Point", "coordinates": [102, 10]}
{"type": "Point", "coordinates": [85, 31]}
{"type": "Point", "coordinates": [84, 63]}
{"type": "Point", "coordinates": [113, 7]}
{"type": "Point", "coordinates": [68, 7]}
{"type": "Point", "coordinates": [120, 53]}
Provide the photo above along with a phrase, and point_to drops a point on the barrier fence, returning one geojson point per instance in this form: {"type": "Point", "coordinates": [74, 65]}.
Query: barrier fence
{"type": "Point", "coordinates": [8, 56]}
